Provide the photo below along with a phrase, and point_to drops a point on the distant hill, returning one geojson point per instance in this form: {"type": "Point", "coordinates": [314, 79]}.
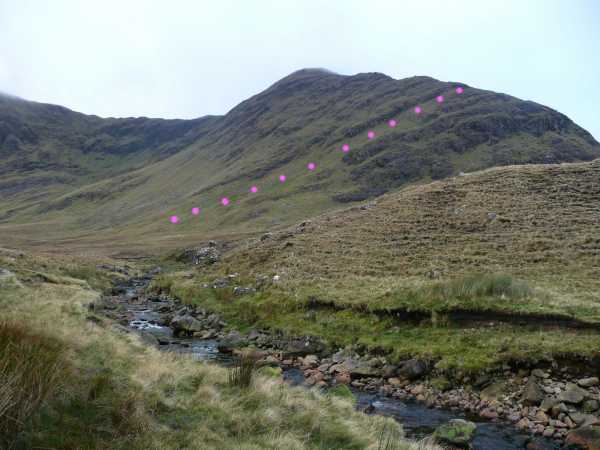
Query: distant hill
{"type": "Point", "coordinates": [66, 175]}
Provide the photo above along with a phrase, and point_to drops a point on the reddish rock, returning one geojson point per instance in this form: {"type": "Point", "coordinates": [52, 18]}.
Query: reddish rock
{"type": "Point", "coordinates": [587, 438]}
{"type": "Point", "coordinates": [343, 378]}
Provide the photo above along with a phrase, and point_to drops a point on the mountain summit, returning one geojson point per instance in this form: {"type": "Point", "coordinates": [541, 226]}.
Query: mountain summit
{"type": "Point", "coordinates": [65, 173]}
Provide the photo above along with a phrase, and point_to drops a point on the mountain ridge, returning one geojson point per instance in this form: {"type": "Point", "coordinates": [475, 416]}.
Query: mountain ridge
{"type": "Point", "coordinates": [92, 174]}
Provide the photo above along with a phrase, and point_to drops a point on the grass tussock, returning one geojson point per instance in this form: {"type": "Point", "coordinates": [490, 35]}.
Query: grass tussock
{"type": "Point", "coordinates": [32, 367]}
{"type": "Point", "coordinates": [243, 371]}
{"type": "Point", "coordinates": [482, 285]}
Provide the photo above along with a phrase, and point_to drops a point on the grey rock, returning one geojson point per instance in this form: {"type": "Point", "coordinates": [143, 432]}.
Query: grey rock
{"type": "Point", "coordinates": [186, 324]}
{"type": "Point", "coordinates": [149, 338]}
{"type": "Point", "coordinates": [221, 283]}
{"type": "Point", "coordinates": [590, 406]}
{"type": "Point", "coordinates": [548, 403]}
{"type": "Point", "coordinates": [413, 369]}
{"type": "Point", "coordinates": [240, 290]}
{"type": "Point", "coordinates": [588, 382]}
{"type": "Point", "coordinates": [539, 373]}
{"type": "Point", "coordinates": [572, 394]}
{"type": "Point", "coordinates": [583, 420]}
{"type": "Point", "coordinates": [231, 341]}
{"type": "Point", "coordinates": [532, 394]}
{"type": "Point", "coordinates": [303, 346]}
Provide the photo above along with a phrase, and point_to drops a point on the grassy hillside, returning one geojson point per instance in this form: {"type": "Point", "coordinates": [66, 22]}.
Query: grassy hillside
{"type": "Point", "coordinates": [72, 380]}
{"type": "Point", "coordinates": [472, 271]}
{"type": "Point", "coordinates": [104, 181]}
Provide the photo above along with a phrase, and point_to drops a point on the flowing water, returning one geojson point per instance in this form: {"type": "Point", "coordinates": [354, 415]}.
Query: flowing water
{"type": "Point", "coordinates": [417, 420]}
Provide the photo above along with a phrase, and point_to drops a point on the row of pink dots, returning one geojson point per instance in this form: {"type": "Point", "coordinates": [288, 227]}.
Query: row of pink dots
{"type": "Point", "coordinates": [225, 201]}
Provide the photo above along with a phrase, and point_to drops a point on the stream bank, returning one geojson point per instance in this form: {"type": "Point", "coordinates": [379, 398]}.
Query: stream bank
{"type": "Point", "coordinates": [405, 393]}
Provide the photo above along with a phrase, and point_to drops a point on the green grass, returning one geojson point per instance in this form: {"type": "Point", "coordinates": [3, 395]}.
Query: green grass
{"type": "Point", "coordinates": [452, 347]}
{"type": "Point", "coordinates": [98, 388]}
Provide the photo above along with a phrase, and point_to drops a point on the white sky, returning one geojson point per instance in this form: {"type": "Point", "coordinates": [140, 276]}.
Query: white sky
{"type": "Point", "coordinates": [190, 58]}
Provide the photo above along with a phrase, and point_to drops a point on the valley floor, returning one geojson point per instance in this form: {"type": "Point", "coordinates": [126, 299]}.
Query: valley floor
{"type": "Point", "coordinates": [73, 380]}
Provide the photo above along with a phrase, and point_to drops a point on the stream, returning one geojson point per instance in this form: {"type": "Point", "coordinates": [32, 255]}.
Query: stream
{"type": "Point", "coordinates": [417, 419]}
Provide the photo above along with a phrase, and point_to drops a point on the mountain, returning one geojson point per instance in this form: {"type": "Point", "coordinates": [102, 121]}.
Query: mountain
{"type": "Point", "coordinates": [68, 177]}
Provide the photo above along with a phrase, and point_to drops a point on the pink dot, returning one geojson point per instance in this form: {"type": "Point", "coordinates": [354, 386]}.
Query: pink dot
{"type": "Point", "coordinates": [459, 90]}
{"type": "Point", "coordinates": [392, 123]}
{"type": "Point", "coordinates": [254, 189]}
{"type": "Point", "coordinates": [311, 166]}
{"type": "Point", "coordinates": [174, 219]}
{"type": "Point", "coordinates": [371, 134]}
{"type": "Point", "coordinates": [418, 110]}
{"type": "Point", "coordinates": [345, 148]}
{"type": "Point", "coordinates": [195, 211]}
{"type": "Point", "coordinates": [439, 98]}
{"type": "Point", "coordinates": [225, 201]}
{"type": "Point", "coordinates": [282, 178]}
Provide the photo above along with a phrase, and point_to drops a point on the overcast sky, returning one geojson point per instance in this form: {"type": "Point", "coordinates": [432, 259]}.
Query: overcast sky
{"type": "Point", "coordinates": [190, 58]}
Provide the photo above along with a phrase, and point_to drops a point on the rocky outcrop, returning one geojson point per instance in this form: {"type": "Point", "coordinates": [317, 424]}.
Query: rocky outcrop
{"type": "Point", "coordinates": [201, 255]}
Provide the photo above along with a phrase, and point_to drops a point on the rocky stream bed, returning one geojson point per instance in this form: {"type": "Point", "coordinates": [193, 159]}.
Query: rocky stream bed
{"type": "Point", "coordinates": [517, 409]}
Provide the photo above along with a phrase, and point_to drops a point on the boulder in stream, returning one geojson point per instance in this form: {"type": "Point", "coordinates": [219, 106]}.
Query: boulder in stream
{"type": "Point", "coordinates": [231, 341]}
{"type": "Point", "coordinates": [185, 324]}
{"type": "Point", "coordinates": [457, 432]}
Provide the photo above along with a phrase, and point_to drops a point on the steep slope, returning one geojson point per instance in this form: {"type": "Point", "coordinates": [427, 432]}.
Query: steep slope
{"type": "Point", "coordinates": [305, 117]}
{"type": "Point", "coordinates": [43, 144]}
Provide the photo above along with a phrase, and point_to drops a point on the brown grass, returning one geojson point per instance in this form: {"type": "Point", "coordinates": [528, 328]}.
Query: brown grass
{"type": "Point", "coordinates": [31, 368]}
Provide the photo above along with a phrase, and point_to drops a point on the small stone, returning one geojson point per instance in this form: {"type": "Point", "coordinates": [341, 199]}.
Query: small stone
{"type": "Point", "coordinates": [489, 413]}
{"type": "Point", "coordinates": [541, 417]}
{"type": "Point", "coordinates": [539, 373]}
{"type": "Point", "coordinates": [394, 381]}
{"type": "Point", "coordinates": [343, 378]}
{"type": "Point", "coordinates": [548, 432]}
{"type": "Point", "coordinates": [548, 403]}
{"type": "Point", "coordinates": [589, 406]}
{"type": "Point", "coordinates": [523, 424]}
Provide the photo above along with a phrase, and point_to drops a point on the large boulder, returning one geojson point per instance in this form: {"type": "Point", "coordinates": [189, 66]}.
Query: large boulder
{"type": "Point", "coordinates": [356, 368]}
{"type": "Point", "coordinates": [231, 341]}
{"type": "Point", "coordinates": [588, 382]}
{"type": "Point", "coordinates": [493, 391]}
{"type": "Point", "coordinates": [185, 324]}
{"type": "Point", "coordinates": [572, 394]}
{"type": "Point", "coordinates": [413, 369]}
{"type": "Point", "coordinates": [303, 346]}
{"type": "Point", "coordinates": [532, 394]}
{"type": "Point", "coordinates": [456, 432]}
{"type": "Point", "coordinates": [587, 438]}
